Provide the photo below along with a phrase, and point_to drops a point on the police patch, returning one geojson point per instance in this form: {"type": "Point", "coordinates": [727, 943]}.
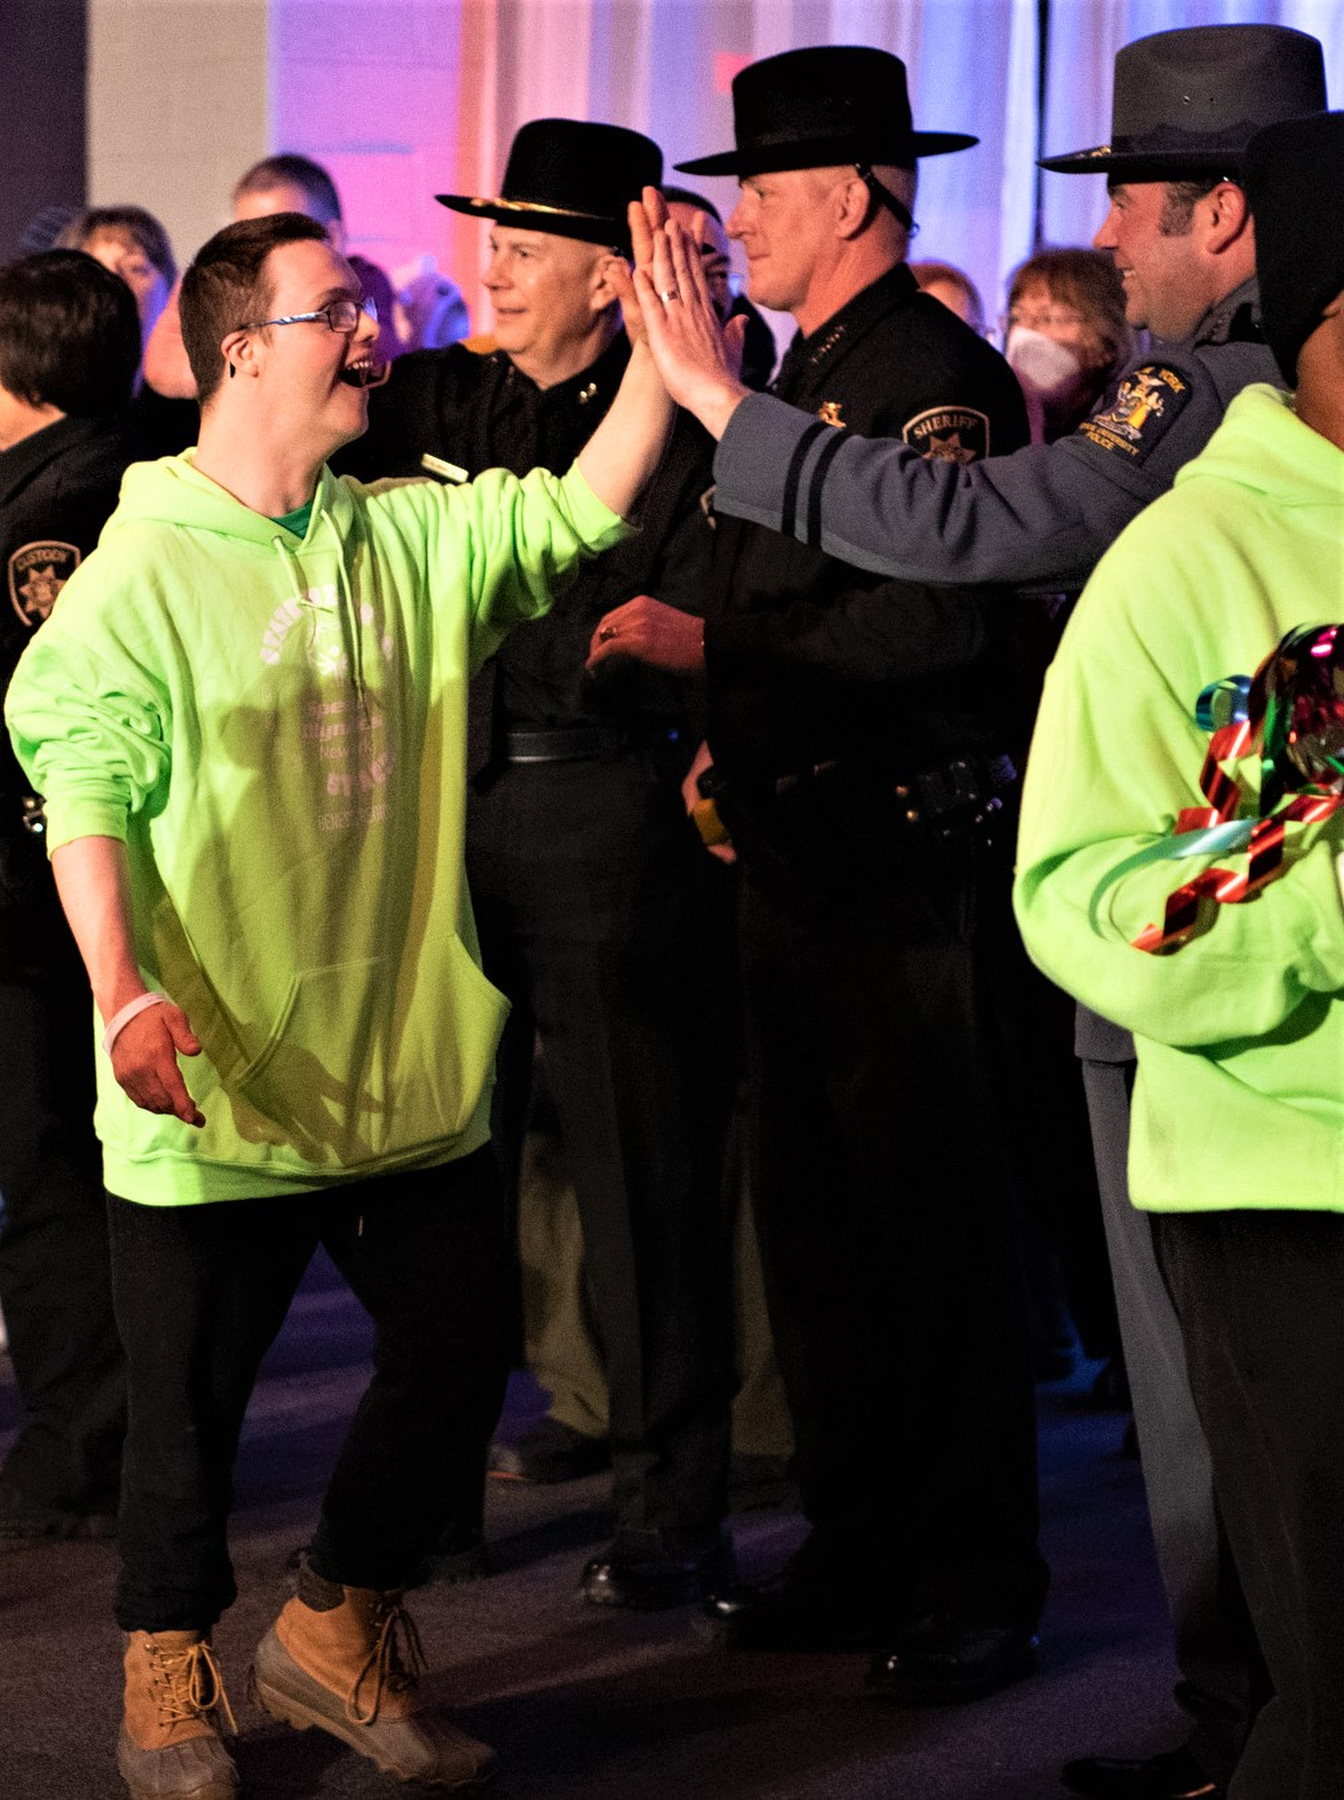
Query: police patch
{"type": "Point", "coordinates": [955, 434]}
{"type": "Point", "coordinates": [1138, 413]}
{"type": "Point", "coordinates": [37, 573]}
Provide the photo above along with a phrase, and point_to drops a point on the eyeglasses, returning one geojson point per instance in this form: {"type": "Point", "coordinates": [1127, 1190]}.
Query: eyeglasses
{"type": "Point", "coordinates": [1032, 318]}
{"type": "Point", "coordinates": [341, 316]}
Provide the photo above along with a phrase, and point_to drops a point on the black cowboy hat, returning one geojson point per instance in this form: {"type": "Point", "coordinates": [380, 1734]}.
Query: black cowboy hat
{"type": "Point", "coordinates": [1188, 102]}
{"type": "Point", "coordinates": [572, 179]}
{"type": "Point", "coordinates": [807, 109]}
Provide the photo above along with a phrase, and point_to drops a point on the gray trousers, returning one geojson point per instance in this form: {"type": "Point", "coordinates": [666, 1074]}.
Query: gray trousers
{"type": "Point", "coordinates": [1222, 1676]}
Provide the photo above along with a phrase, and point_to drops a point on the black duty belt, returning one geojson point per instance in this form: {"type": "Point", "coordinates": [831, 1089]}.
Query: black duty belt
{"type": "Point", "coordinates": [823, 827]}
{"type": "Point", "coordinates": [944, 800]}
{"type": "Point", "coordinates": [562, 743]}
{"type": "Point", "coordinates": [586, 743]}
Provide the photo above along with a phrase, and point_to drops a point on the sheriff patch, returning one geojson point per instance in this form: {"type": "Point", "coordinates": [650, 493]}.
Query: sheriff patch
{"type": "Point", "coordinates": [37, 573]}
{"type": "Point", "coordinates": [1138, 414]}
{"type": "Point", "coordinates": [955, 434]}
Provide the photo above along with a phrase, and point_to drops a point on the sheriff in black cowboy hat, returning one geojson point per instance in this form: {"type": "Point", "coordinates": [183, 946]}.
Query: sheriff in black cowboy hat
{"type": "Point", "coordinates": [827, 105]}
{"type": "Point", "coordinates": [827, 729]}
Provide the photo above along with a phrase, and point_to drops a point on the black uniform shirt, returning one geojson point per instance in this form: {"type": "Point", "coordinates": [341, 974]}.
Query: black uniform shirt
{"type": "Point", "coordinates": [809, 660]}
{"type": "Point", "coordinates": [57, 488]}
{"type": "Point", "coordinates": [481, 412]}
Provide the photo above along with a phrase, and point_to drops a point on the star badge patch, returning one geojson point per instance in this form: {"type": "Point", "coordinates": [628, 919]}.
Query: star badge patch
{"type": "Point", "coordinates": [37, 573]}
{"type": "Point", "coordinates": [955, 434]}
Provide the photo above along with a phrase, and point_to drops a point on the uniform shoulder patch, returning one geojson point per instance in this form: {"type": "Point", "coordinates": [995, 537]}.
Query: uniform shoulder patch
{"type": "Point", "coordinates": [36, 574]}
{"type": "Point", "coordinates": [955, 434]}
{"type": "Point", "coordinates": [1137, 414]}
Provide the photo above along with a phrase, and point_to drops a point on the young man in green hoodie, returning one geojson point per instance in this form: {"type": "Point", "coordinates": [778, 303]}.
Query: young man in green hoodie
{"type": "Point", "coordinates": [1238, 1107]}
{"type": "Point", "coordinates": [247, 717]}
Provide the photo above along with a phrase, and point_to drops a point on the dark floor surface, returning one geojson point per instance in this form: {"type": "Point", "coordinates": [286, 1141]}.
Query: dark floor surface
{"type": "Point", "coordinates": [603, 1705]}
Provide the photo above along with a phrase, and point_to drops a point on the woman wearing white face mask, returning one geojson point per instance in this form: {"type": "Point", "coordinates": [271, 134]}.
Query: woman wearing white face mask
{"type": "Point", "coordinates": [1065, 335]}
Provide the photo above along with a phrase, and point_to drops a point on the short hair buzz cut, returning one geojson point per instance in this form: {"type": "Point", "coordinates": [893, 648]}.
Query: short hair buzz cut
{"type": "Point", "coordinates": [226, 287]}
{"type": "Point", "coordinates": [289, 169]}
{"type": "Point", "coordinates": [69, 334]}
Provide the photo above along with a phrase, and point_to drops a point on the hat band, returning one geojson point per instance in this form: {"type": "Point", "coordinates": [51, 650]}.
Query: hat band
{"type": "Point", "coordinates": [540, 206]}
{"type": "Point", "coordinates": [824, 134]}
{"type": "Point", "coordinates": [1169, 140]}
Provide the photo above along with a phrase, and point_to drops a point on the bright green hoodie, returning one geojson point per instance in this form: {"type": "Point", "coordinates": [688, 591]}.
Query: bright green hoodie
{"type": "Point", "coordinates": [1240, 1093]}
{"type": "Point", "coordinates": [276, 728]}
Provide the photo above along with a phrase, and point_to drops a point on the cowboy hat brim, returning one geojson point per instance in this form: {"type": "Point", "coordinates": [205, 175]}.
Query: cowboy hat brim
{"type": "Point", "coordinates": [821, 153]}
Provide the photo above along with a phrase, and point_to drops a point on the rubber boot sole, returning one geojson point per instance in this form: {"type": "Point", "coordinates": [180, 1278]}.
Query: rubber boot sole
{"type": "Point", "coordinates": [198, 1782]}
{"type": "Point", "coordinates": [286, 1693]}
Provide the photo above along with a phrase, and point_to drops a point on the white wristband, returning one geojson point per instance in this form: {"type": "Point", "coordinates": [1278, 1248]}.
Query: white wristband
{"type": "Point", "coordinates": [132, 1010]}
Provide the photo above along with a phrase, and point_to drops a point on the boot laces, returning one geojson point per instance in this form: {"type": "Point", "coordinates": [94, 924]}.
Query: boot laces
{"type": "Point", "coordinates": [188, 1684]}
{"type": "Point", "coordinates": [394, 1664]}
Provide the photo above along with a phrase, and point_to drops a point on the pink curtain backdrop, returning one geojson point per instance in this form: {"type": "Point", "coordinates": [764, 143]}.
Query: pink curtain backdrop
{"type": "Point", "coordinates": [403, 99]}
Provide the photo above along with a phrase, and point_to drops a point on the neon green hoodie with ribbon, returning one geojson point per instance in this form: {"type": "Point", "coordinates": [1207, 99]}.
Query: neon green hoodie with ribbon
{"type": "Point", "coordinates": [1240, 1094]}
{"type": "Point", "coordinates": [276, 729]}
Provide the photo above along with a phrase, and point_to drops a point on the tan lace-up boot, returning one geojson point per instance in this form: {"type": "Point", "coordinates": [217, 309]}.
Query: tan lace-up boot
{"type": "Point", "coordinates": [170, 1748]}
{"type": "Point", "coordinates": [348, 1660]}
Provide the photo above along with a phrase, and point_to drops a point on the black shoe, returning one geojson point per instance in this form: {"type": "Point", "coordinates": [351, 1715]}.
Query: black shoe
{"type": "Point", "coordinates": [457, 1557]}
{"type": "Point", "coordinates": [940, 1662]}
{"type": "Point", "coordinates": [798, 1609]}
{"type": "Point", "coordinates": [1175, 1775]}
{"type": "Point", "coordinates": [550, 1453]}
{"type": "Point", "coordinates": [641, 1571]}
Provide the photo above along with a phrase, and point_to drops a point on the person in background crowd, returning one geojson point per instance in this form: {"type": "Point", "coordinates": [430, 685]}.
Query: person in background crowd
{"type": "Point", "coordinates": [1238, 1111]}
{"type": "Point", "coordinates": [247, 718]}
{"type": "Point", "coordinates": [599, 915]}
{"type": "Point", "coordinates": [1184, 107]}
{"type": "Point", "coordinates": [133, 244]}
{"type": "Point", "coordinates": [860, 784]}
{"type": "Point", "coordinates": [69, 349]}
{"type": "Point", "coordinates": [758, 343]}
{"type": "Point", "coordinates": [954, 287]}
{"type": "Point", "coordinates": [1065, 335]}
{"type": "Point", "coordinates": [284, 183]}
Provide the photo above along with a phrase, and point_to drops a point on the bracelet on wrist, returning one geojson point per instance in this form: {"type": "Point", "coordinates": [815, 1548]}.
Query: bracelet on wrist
{"type": "Point", "coordinates": [122, 1018]}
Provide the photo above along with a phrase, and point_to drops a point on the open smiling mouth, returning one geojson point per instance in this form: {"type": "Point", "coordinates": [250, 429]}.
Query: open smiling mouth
{"type": "Point", "coordinates": [368, 372]}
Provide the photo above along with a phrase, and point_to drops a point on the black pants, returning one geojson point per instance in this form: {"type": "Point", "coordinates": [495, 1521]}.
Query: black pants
{"type": "Point", "coordinates": [607, 925]}
{"type": "Point", "coordinates": [889, 1227]}
{"type": "Point", "coordinates": [1258, 1296]}
{"type": "Point", "coordinates": [201, 1292]}
{"type": "Point", "coordinates": [1222, 1676]}
{"type": "Point", "coordinates": [55, 1286]}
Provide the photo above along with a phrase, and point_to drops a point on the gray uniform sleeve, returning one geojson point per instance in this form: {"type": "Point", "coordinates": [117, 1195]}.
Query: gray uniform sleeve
{"type": "Point", "coordinates": [1042, 515]}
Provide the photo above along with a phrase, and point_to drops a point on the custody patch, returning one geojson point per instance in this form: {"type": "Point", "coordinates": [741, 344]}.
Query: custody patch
{"type": "Point", "coordinates": [955, 434]}
{"type": "Point", "coordinates": [1144, 405]}
{"type": "Point", "coordinates": [37, 573]}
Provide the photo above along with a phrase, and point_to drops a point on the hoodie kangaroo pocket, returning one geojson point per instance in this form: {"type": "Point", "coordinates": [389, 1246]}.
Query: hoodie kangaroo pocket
{"type": "Point", "coordinates": [352, 1071]}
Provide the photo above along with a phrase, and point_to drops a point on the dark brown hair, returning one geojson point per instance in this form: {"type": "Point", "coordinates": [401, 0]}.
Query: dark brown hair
{"type": "Point", "coordinates": [226, 287]}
